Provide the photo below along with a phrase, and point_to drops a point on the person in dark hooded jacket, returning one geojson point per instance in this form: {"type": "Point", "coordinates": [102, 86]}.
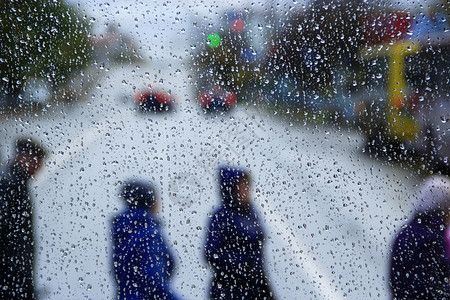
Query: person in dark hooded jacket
{"type": "Point", "coordinates": [420, 262]}
{"type": "Point", "coordinates": [142, 261]}
{"type": "Point", "coordinates": [16, 222]}
{"type": "Point", "coordinates": [234, 243]}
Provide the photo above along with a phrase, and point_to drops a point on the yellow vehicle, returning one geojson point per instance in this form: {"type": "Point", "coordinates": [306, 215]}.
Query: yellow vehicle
{"type": "Point", "coordinates": [400, 123]}
{"type": "Point", "coordinates": [407, 96]}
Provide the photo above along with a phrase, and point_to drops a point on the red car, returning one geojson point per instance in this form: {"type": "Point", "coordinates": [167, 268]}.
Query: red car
{"type": "Point", "coordinates": [217, 98]}
{"type": "Point", "coordinates": [154, 99]}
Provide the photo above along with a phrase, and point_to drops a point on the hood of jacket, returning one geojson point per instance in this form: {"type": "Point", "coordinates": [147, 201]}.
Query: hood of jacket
{"type": "Point", "coordinates": [433, 195]}
{"type": "Point", "coordinates": [138, 193]}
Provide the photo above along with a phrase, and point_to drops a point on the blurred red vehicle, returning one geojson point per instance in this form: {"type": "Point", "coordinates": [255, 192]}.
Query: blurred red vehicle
{"type": "Point", "coordinates": [217, 98]}
{"type": "Point", "coordinates": [154, 99]}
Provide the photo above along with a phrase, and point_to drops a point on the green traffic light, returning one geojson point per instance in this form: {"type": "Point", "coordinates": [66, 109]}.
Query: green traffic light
{"type": "Point", "coordinates": [213, 40]}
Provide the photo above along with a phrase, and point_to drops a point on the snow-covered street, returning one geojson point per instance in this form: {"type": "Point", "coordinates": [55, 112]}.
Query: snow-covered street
{"type": "Point", "coordinates": [329, 211]}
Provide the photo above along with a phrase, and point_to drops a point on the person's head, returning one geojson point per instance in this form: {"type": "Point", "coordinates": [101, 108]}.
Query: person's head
{"type": "Point", "coordinates": [139, 194]}
{"type": "Point", "coordinates": [242, 190]}
{"type": "Point", "coordinates": [29, 156]}
{"type": "Point", "coordinates": [235, 186]}
{"type": "Point", "coordinates": [434, 195]}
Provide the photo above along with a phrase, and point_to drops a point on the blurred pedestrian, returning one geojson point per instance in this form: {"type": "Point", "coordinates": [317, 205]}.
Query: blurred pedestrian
{"type": "Point", "coordinates": [234, 243]}
{"type": "Point", "coordinates": [16, 222]}
{"type": "Point", "coordinates": [420, 263]}
{"type": "Point", "coordinates": [142, 261]}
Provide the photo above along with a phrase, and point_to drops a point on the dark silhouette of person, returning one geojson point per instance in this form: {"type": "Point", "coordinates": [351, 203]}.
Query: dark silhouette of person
{"type": "Point", "coordinates": [142, 261]}
{"type": "Point", "coordinates": [234, 242]}
{"type": "Point", "coordinates": [16, 222]}
{"type": "Point", "coordinates": [420, 262]}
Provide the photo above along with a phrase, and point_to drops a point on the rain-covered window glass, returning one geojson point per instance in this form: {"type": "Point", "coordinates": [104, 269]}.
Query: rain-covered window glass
{"type": "Point", "coordinates": [224, 149]}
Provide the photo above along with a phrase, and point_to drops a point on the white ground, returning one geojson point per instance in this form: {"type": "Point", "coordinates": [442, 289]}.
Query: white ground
{"type": "Point", "coordinates": [330, 212]}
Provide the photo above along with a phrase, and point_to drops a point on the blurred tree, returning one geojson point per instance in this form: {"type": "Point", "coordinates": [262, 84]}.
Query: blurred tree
{"type": "Point", "coordinates": [41, 38]}
{"type": "Point", "coordinates": [227, 66]}
{"type": "Point", "coordinates": [314, 41]}
{"type": "Point", "coordinates": [234, 64]}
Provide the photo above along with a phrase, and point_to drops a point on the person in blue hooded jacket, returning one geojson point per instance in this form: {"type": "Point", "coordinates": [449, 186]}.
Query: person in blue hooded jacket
{"type": "Point", "coordinates": [142, 261]}
{"type": "Point", "coordinates": [234, 242]}
{"type": "Point", "coordinates": [420, 262]}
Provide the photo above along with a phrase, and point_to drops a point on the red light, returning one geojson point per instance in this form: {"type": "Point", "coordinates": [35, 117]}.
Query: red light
{"type": "Point", "coordinates": [237, 26]}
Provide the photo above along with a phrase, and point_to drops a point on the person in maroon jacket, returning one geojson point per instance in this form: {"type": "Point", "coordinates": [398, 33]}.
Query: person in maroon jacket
{"type": "Point", "coordinates": [16, 226]}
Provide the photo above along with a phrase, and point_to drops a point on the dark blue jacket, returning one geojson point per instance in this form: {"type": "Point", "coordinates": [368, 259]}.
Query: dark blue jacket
{"type": "Point", "coordinates": [142, 261]}
{"type": "Point", "coordinates": [419, 265]}
{"type": "Point", "coordinates": [16, 237]}
{"type": "Point", "coordinates": [234, 247]}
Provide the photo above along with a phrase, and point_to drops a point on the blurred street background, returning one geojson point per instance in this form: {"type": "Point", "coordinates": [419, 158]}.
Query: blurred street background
{"type": "Point", "coordinates": [342, 110]}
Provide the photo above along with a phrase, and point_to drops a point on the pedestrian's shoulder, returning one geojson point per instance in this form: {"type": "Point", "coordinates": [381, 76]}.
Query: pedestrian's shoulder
{"type": "Point", "coordinates": [4, 178]}
{"type": "Point", "coordinates": [121, 220]}
{"type": "Point", "coordinates": [254, 213]}
{"type": "Point", "coordinates": [5, 184]}
{"type": "Point", "coordinates": [420, 230]}
{"type": "Point", "coordinates": [220, 213]}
